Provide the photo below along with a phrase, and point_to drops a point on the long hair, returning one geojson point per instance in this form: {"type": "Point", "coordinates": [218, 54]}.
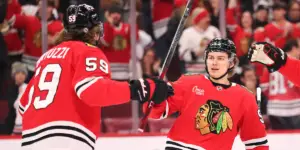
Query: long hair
{"type": "Point", "coordinates": [78, 36]}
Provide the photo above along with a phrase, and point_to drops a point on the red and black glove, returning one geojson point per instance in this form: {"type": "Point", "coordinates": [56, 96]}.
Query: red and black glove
{"type": "Point", "coordinates": [267, 54]}
{"type": "Point", "coordinates": [141, 90]}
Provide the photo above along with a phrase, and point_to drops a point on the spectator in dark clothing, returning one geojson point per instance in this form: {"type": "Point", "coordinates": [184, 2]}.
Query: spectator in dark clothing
{"type": "Point", "coordinates": [293, 14]}
{"type": "Point", "coordinates": [15, 91]}
{"type": "Point", "coordinates": [261, 16]}
{"type": "Point", "coordinates": [3, 50]}
{"type": "Point", "coordinates": [249, 79]}
{"type": "Point", "coordinates": [162, 45]}
{"type": "Point", "coordinates": [28, 2]}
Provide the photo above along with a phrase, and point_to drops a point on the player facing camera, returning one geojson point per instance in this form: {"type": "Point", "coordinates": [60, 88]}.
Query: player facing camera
{"type": "Point", "coordinates": [220, 59]}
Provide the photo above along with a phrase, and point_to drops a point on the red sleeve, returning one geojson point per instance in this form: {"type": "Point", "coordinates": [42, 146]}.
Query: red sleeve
{"type": "Point", "coordinates": [92, 82]}
{"type": "Point", "coordinates": [18, 8]}
{"type": "Point", "coordinates": [55, 27]}
{"type": "Point", "coordinates": [172, 104]}
{"type": "Point", "coordinates": [25, 99]}
{"type": "Point", "coordinates": [108, 34]}
{"type": "Point", "coordinates": [264, 81]}
{"type": "Point", "coordinates": [291, 70]}
{"type": "Point", "coordinates": [259, 35]}
{"type": "Point", "coordinates": [232, 26]}
{"type": "Point", "coordinates": [21, 21]}
{"type": "Point", "coordinates": [252, 128]}
{"type": "Point", "coordinates": [296, 31]}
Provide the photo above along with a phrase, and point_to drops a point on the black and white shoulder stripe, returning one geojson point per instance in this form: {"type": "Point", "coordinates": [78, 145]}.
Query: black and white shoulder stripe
{"type": "Point", "coordinates": [21, 109]}
{"type": "Point", "coordinates": [54, 129]}
{"type": "Point", "coordinates": [82, 85]}
{"type": "Point", "coordinates": [250, 144]}
{"type": "Point", "coordinates": [176, 145]}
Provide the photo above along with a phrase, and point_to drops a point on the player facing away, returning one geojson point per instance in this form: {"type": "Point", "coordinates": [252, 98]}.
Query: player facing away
{"type": "Point", "coordinates": [275, 59]}
{"type": "Point", "coordinates": [212, 109]}
{"type": "Point", "coordinates": [60, 107]}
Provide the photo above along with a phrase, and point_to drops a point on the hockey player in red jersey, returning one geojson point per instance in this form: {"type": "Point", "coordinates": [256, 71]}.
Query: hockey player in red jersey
{"type": "Point", "coordinates": [60, 106]}
{"type": "Point", "coordinates": [212, 109]}
{"type": "Point", "coordinates": [275, 59]}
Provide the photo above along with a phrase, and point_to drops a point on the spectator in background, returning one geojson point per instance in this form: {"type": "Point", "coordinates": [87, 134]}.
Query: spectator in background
{"type": "Point", "coordinates": [116, 43]}
{"type": "Point", "coordinates": [31, 25]}
{"type": "Point", "coordinates": [283, 106]}
{"type": "Point", "coordinates": [162, 44]}
{"type": "Point", "coordinates": [249, 79]}
{"type": "Point", "coordinates": [19, 74]}
{"type": "Point", "coordinates": [279, 30]}
{"type": "Point", "coordinates": [13, 121]}
{"type": "Point", "coordinates": [3, 49]}
{"type": "Point", "coordinates": [194, 39]}
{"type": "Point", "coordinates": [12, 39]}
{"type": "Point", "coordinates": [293, 14]}
{"type": "Point", "coordinates": [261, 16]}
{"type": "Point", "coordinates": [144, 43]}
{"type": "Point", "coordinates": [150, 64]}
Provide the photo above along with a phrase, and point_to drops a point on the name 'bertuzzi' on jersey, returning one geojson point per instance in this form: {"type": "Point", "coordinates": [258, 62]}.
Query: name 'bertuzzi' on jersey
{"type": "Point", "coordinates": [59, 107]}
{"type": "Point", "coordinates": [55, 53]}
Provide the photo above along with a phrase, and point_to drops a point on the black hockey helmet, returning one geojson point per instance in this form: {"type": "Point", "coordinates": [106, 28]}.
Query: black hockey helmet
{"type": "Point", "coordinates": [81, 17]}
{"type": "Point", "coordinates": [221, 45]}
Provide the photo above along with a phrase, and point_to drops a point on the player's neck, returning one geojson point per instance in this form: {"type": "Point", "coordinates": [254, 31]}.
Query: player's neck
{"type": "Point", "coordinates": [223, 81]}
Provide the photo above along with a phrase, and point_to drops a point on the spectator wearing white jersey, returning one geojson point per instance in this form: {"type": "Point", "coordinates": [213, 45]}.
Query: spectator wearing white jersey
{"type": "Point", "coordinates": [194, 40]}
{"type": "Point", "coordinates": [19, 74]}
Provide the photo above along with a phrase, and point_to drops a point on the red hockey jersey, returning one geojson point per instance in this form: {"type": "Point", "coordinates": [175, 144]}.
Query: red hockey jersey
{"type": "Point", "coordinates": [274, 33]}
{"type": "Point", "coordinates": [32, 27]}
{"type": "Point", "coordinates": [13, 41]}
{"type": "Point", "coordinates": [62, 100]}
{"type": "Point", "coordinates": [291, 70]}
{"type": "Point", "coordinates": [211, 115]}
{"type": "Point", "coordinates": [282, 94]}
{"type": "Point", "coordinates": [116, 46]}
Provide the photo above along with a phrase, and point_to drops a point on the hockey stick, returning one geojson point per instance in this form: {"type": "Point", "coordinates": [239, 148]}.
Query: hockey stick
{"type": "Point", "coordinates": [168, 59]}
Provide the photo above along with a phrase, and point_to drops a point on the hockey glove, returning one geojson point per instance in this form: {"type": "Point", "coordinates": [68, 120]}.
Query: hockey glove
{"type": "Point", "coordinates": [162, 91]}
{"type": "Point", "coordinates": [267, 54]}
{"type": "Point", "coordinates": [139, 90]}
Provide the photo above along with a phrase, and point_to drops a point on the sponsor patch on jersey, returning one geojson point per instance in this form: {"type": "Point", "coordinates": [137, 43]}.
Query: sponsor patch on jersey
{"type": "Point", "coordinates": [213, 117]}
{"type": "Point", "coordinates": [197, 91]}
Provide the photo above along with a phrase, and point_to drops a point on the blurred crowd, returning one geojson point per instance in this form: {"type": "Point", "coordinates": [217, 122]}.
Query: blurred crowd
{"type": "Point", "coordinates": [245, 22]}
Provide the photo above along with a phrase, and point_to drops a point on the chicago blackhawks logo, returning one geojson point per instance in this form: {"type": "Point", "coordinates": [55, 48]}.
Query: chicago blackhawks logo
{"type": "Point", "coordinates": [37, 39]}
{"type": "Point", "coordinates": [213, 117]}
{"type": "Point", "coordinates": [119, 43]}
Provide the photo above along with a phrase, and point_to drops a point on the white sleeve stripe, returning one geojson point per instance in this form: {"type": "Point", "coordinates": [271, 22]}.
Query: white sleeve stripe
{"type": "Point", "coordinates": [255, 140]}
{"type": "Point", "coordinates": [166, 112]}
{"type": "Point", "coordinates": [86, 85]}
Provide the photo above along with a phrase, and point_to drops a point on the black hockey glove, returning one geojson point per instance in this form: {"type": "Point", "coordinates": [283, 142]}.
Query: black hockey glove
{"type": "Point", "coordinates": [162, 91]}
{"type": "Point", "coordinates": [140, 90]}
{"type": "Point", "coordinates": [265, 53]}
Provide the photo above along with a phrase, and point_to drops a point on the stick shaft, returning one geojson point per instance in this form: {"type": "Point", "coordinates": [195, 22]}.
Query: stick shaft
{"type": "Point", "coordinates": [168, 59]}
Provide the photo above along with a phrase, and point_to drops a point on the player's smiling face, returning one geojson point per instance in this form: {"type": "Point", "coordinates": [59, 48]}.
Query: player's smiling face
{"type": "Point", "coordinates": [217, 63]}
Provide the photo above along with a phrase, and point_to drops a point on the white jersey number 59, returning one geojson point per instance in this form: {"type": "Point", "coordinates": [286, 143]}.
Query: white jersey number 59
{"type": "Point", "coordinates": [48, 85]}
